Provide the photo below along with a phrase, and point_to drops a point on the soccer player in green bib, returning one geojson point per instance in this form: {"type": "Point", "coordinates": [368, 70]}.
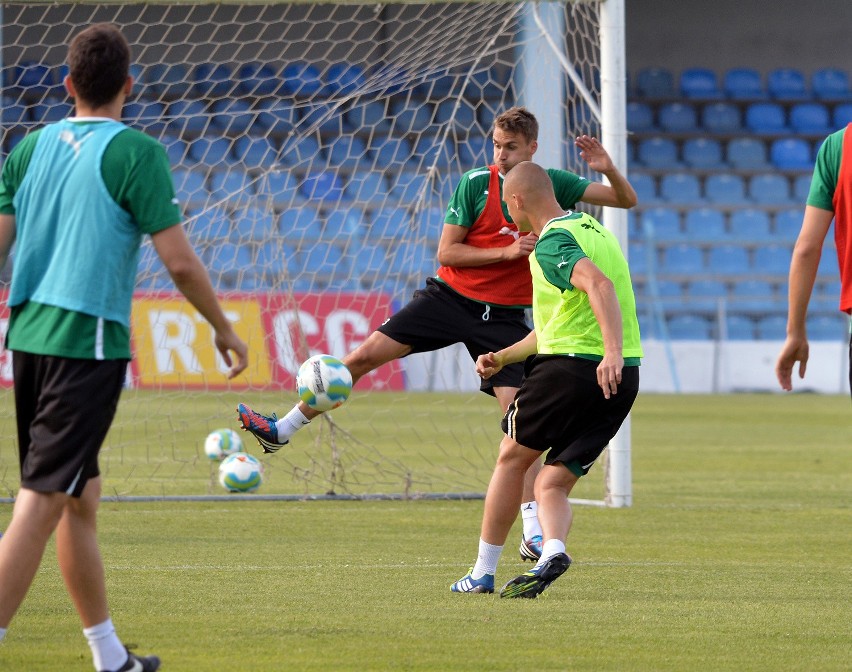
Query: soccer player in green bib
{"type": "Point", "coordinates": [581, 377]}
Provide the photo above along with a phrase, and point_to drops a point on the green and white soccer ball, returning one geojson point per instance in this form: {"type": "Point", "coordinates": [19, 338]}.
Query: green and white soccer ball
{"type": "Point", "coordinates": [241, 472]}
{"type": "Point", "coordinates": [222, 442]}
{"type": "Point", "coordinates": [323, 382]}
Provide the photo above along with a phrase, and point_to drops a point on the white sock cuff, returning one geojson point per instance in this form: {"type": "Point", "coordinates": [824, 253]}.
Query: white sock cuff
{"type": "Point", "coordinates": [486, 561]}
{"type": "Point", "coordinates": [529, 509]}
{"type": "Point", "coordinates": [99, 631]}
{"type": "Point", "coordinates": [552, 547]}
{"type": "Point", "coordinates": [296, 418]}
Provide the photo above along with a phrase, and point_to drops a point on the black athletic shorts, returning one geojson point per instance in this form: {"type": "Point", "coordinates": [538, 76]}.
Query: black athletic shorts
{"type": "Point", "coordinates": [437, 317]}
{"type": "Point", "coordinates": [64, 409]}
{"type": "Point", "coordinates": [561, 408]}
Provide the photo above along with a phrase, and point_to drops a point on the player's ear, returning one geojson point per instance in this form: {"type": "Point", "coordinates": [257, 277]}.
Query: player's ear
{"type": "Point", "coordinates": [128, 85]}
{"type": "Point", "coordinates": [533, 146]}
{"type": "Point", "coordinates": [69, 86]}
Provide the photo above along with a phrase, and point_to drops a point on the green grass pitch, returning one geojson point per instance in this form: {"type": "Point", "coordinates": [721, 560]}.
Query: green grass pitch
{"type": "Point", "coordinates": [735, 556]}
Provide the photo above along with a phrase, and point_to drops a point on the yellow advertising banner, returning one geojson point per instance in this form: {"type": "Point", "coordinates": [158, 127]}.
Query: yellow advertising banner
{"type": "Point", "coordinates": [173, 344]}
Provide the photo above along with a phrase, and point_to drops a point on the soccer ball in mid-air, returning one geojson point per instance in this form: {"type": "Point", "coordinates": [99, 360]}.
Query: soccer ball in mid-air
{"type": "Point", "coordinates": [241, 472]}
{"type": "Point", "coordinates": [323, 382]}
{"type": "Point", "coordinates": [222, 442]}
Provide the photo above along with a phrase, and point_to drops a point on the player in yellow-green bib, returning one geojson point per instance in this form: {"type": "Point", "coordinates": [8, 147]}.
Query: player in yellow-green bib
{"type": "Point", "coordinates": [581, 377]}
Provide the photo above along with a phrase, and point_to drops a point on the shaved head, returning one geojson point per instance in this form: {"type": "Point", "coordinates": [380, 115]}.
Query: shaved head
{"type": "Point", "coordinates": [528, 193]}
{"type": "Point", "coordinates": [528, 179]}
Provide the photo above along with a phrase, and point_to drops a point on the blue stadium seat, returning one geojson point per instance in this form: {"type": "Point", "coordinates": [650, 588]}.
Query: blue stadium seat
{"type": "Point", "coordinates": [206, 224]}
{"type": "Point", "coordinates": [771, 327]}
{"type": "Point", "coordinates": [637, 256]}
{"type": "Point", "coordinates": [50, 109]}
{"type": "Point", "coordinates": [280, 187]}
{"type": "Point", "coordinates": [371, 262]}
{"type": "Point", "coordinates": [211, 151]}
{"type": "Point", "coordinates": [772, 259]}
{"type": "Point", "coordinates": [752, 296]}
{"type": "Point", "coordinates": [325, 118]}
{"type": "Point", "coordinates": [391, 224]}
{"type": "Point", "coordinates": [346, 222]}
{"type": "Point", "coordinates": [842, 115]}
{"type": "Point", "coordinates": [232, 116]}
{"type": "Point", "coordinates": [301, 79]}
{"type": "Point", "coordinates": [669, 293]}
{"type": "Point", "coordinates": [658, 153]}
{"type": "Point", "coordinates": [686, 327]}
{"type": "Point", "coordinates": [255, 152]}
{"type": "Point", "coordinates": [411, 116]}
{"type": "Point", "coordinates": [190, 187]}
{"type": "Point", "coordinates": [830, 84]}
{"type": "Point", "coordinates": [343, 78]}
{"type": "Point", "coordinates": [640, 117]}
{"type": "Point", "coordinates": [322, 185]}
{"type": "Point", "coordinates": [721, 117]}
{"type": "Point", "coordinates": [810, 119]}
{"type": "Point", "coordinates": [743, 84]}
{"type": "Point", "coordinates": [431, 150]}
{"type": "Point", "coordinates": [186, 116]}
{"type": "Point", "coordinates": [371, 115]}
{"type": "Point", "coordinates": [655, 83]}
{"type": "Point", "coordinates": [739, 327]}
{"type": "Point", "coordinates": [251, 223]}
{"type": "Point", "coordinates": [828, 260]}
{"type": "Point", "coordinates": [791, 154]}
{"type": "Point", "coordinates": [787, 84]}
{"type": "Point", "coordinates": [13, 113]}
{"type": "Point", "coordinates": [824, 298]}
{"type": "Point", "coordinates": [212, 80]}
{"type": "Point", "coordinates": [832, 327]}
{"type": "Point", "coordinates": [348, 151]}
{"type": "Point", "coordinates": [680, 188]}
{"type": "Point", "coordinates": [705, 294]}
{"type": "Point", "coordinates": [788, 223]}
{"type": "Point", "coordinates": [699, 83]}
{"type": "Point", "coordinates": [170, 80]}
{"type": "Point", "coordinates": [750, 224]}
{"type": "Point", "coordinates": [474, 151]}
{"type": "Point", "coordinates": [769, 189]}
{"type": "Point", "coordinates": [705, 224]}
{"type": "Point", "coordinates": [366, 187]}
{"type": "Point", "coordinates": [176, 148]}
{"type": "Point", "coordinates": [277, 115]}
{"type": "Point", "coordinates": [677, 117]}
{"type": "Point", "coordinates": [147, 116]}
{"type": "Point", "coordinates": [801, 187]}
{"type": "Point", "coordinates": [303, 151]}
{"type": "Point", "coordinates": [391, 152]}
{"type": "Point", "coordinates": [235, 186]}
{"type": "Point", "coordinates": [747, 153]}
{"type": "Point", "coordinates": [683, 258]}
{"type": "Point", "coordinates": [645, 186]}
{"type": "Point", "coordinates": [725, 189]}
{"type": "Point", "coordinates": [766, 117]}
{"type": "Point", "coordinates": [299, 224]}
{"type": "Point", "coordinates": [37, 79]}
{"type": "Point", "coordinates": [324, 261]}
{"type": "Point", "coordinates": [258, 79]}
{"type": "Point", "coordinates": [728, 259]}
{"type": "Point", "coordinates": [226, 259]}
{"type": "Point", "coordinates": [413, 261]}
{"type": "Point", "coordinates": [702, 153]}
{"type": "Point", "coordinates": [458, 112]}
{"type": "Point", "coordinates": [409, 186]}
{"type": "Point", "coordinates": [662, 224]}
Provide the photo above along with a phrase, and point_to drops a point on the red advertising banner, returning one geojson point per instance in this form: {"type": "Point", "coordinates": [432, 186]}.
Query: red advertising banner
{"type": "Point", "coordinates": [173, 345]}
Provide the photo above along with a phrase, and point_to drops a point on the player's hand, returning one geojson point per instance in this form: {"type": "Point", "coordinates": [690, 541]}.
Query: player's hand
{"type": "Point", "coordinates": [227, 343]}
{"type": "Point", "coordinates": [522, 247]}
{"type": "Point", "coordinates": [593, 153]}
{"type": "Point", "coordinates": [794, 350]}
{"type": "Point", "coordinates": [609, 374]}
{"type": "Point", "coordinates": [488, 364]}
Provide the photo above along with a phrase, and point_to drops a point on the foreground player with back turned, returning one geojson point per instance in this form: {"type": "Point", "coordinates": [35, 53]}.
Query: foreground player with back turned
{"type": "Point", "coordinates": [582, 377]}
{"type": "Point", "coordinates": [77, 197]}
{"type": "Point", "coordinates": [482, 288]}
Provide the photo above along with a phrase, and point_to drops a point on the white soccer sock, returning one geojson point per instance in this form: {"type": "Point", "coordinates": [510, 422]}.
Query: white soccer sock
{"type": "Point", "coordinates": [2, 633]}
{"type": "Point", "coordinates": [107, 650]}
{"type": "Point", "coordinates": [291, 423]}
{"type": "Point", "coordinates": [529, 515]}
{"type": "Point", "coordinates": [486, 561]}
{"type": "Point", "coordinates": [550, 548]}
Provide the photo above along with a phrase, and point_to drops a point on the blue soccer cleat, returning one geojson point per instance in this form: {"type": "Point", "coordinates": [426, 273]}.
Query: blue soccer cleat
{"type": "Point", "coordinates": [138, 663]}
{"type": "Point", "coordinates": [531, 583]}
{"type": "Point", "coordinates": [262, 427]}
{"type": "Point", "coordinates": [530, 549]}
{"type": "Point", "coordinates": [467, 584]}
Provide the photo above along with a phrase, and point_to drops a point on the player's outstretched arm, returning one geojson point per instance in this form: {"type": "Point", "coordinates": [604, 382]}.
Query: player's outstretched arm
{"type": "Point", "coordinates": [491, 362]}
{"type": "Point", "coordinates": [191, 279]}
{"type": "Point", "coordinates": [619, 193]}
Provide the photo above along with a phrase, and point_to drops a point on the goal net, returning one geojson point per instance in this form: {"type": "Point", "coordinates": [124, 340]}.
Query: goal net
{"type": "Point", "coordinates": [314, 150]}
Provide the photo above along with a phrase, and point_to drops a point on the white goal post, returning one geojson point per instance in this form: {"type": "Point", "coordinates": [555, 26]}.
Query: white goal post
{"type": "Point", "coordinates": [314, 148]}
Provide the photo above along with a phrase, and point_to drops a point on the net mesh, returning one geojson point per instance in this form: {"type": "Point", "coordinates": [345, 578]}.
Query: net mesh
{"type": "Point", "coordinates": [314, 149]}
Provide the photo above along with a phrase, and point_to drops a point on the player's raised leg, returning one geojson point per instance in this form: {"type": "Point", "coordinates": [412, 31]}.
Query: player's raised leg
{"type": "Point", "coordinates": [272, 432]}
